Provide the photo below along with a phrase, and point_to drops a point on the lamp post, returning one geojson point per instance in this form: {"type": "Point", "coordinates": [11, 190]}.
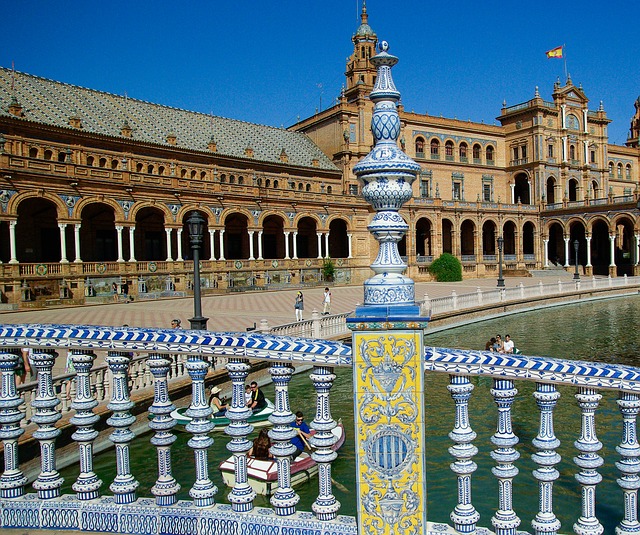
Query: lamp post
{"type": "Point", "coordinates": [576, 275]}
{"type": "Point", "coordinates": [196, 230]}
{"type": "Point", "coordinates": [500, 246]}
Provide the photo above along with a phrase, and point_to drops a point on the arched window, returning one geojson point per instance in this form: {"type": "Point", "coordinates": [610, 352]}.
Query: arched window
{"type": "Point", "coordinates": [572, 152]}
{"type": "Point", "coordinates": [476, 153]}
{"type": "Point", "coordinates": [62, 156]}
{"type": "Point", "coordinates": [435, 148]}
{"type": "Point", "coordinates": [628, 172]}
{"type": "Point", "coordinates": [193, 173]}
{"type": "Point", "coordinates": [610, 169]}
{"type": "Point", "coordinates": [463, 151]}
{"type": "Point", "coordinates": [33, 152]}
{"type": "Point", "coordinates": [308, 187]}
{"type": "Point", "coordinates": [139, 168]}
{"type": "Point", "coordinates": [448, 150]}
{"type": "Point", "coordinates": [90, 160]}
{"type": "Point", "coordinates": [240, 180]}
{"type": "Point", "coordinates": [161, 170]}
{"type": "Point", "coordinates": [489, 154]}
{"type": "Point", "coordinates": [620, 171]}
{"type": "Point", "coordinates": [102, 162]}
{"type": "Point", "coordinates": [275, 183]}
{"type": "Point", "coordinates": [114, 164]}
{"type": "Point", "coordinates": [419, 147]}
{"type": "Point", "coordinates": [267, 183]}
{"type": "Point", "coordinates": [329, 189]}
{"type": "Point", "coordinates": [203, 175]}
{"type": "Point", "coordinates": [223, 178]}
{"type": "Point", "coordinates": [150, 169]}
{"type": "Point", "coordinates": [300, 186]}
{"type": "Point", "coordinates": [48, 154]}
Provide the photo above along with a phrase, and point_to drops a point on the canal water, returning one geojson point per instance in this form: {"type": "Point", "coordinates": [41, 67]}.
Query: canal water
{"type": "Point", "coordinates": [605, 331]}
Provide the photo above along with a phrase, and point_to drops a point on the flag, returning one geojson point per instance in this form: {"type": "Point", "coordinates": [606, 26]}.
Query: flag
{"type": "Point", "coordinates": [554, 52]}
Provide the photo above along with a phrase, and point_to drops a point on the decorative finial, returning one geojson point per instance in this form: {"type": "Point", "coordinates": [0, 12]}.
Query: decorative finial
{"type": "Point", "coordinates": [537, 93]}
{"type": "Point", "coordinates": [601, 107]}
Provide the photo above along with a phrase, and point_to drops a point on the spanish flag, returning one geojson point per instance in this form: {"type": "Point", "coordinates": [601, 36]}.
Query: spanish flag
{"type": "Point", "coordinates": [554, 52]}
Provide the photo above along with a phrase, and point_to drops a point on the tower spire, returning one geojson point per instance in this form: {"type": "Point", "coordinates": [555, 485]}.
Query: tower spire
{"type": "Point", "coordinates": [360, 73]}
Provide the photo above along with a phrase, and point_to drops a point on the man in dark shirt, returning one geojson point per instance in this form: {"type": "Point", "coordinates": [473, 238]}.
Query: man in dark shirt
{"type": "Point", "coordinates": [258, 402]}
{"type": "Point", "coordinates": [304, 434]}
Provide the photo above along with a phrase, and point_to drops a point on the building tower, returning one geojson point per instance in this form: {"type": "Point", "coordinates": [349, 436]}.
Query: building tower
{"type": "Point", "coordinates": [361, 74]}
{"type": "Point", "coordinates": [634, 132]}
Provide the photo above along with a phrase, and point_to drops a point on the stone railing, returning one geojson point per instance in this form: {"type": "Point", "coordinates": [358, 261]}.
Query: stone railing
{"type": "Point", "coordinates": [88, 508]}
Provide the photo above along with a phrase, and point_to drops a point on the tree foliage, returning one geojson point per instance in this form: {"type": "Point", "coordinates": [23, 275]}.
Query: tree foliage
{"type": "Point", "coordinates": [328, 269]}
{"type": "Point", "coordinates": [446, 268]}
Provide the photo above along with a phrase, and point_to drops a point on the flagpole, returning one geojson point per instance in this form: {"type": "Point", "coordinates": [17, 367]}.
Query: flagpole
{"type": "Point", "coordinates": [564, 55]}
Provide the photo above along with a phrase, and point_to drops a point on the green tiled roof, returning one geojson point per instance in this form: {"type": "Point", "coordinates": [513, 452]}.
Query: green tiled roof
{"type": "Point", "coordinates": [54, 103]}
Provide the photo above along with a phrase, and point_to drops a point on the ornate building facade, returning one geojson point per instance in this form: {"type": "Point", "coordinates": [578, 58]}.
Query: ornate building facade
{"type": "Point", "coordinates": [96, 188]}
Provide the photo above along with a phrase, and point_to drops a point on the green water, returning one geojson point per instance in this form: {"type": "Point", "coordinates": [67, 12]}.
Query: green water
{"type": "Point", "coordinates": [603, 331]}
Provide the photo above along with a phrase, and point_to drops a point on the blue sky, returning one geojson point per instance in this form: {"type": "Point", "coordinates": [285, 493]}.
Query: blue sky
{"type": "Point", "coordinates": [270, 62]}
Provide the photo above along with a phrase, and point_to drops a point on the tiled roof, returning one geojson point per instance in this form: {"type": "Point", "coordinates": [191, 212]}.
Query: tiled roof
{"type": "Point", "coordinates": [54, 103]}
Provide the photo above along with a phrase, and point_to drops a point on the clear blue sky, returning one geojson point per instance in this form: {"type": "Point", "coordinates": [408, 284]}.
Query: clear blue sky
{"type": "Point", "coordinates": [270, 62]}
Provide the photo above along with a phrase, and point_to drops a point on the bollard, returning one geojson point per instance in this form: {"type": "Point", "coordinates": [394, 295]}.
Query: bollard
{"type": "Point", "coordinates": [315, 322]}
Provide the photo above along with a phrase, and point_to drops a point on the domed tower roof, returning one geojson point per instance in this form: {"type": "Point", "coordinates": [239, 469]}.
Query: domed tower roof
{"type": "Point", "coordinates": [360, 73]}
{"type": "Point", "coordinates": [364, 30]}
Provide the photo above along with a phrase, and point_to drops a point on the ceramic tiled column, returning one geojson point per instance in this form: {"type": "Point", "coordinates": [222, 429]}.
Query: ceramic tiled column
{"type": "Point", "coordinates": [388, 338]}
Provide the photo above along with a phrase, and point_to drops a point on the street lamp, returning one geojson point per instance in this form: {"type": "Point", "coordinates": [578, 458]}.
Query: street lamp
{"type": "Point", "coordinates": [196, 230]}
{"type": "Point", "coordinates": [500, 246]}
{"type": "Point", "coordinates": [576, 275]}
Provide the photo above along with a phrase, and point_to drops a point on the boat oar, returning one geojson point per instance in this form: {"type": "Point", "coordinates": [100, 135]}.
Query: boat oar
{"type": "Point", "coordinates": [304, 439]}
{"type": "Point", "coordinates": [339, 486]}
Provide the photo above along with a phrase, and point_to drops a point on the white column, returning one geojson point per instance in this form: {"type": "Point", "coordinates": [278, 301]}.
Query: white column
{"type": "Point", "coordinates": [286, 245]}
{"type": "Point", "coordinates": [260, 245]}
{"type": "Point", "coordinates": [169, 257]}
{"type": "Point", "coordinates": [530, 192]}
{"type": "Point", "coordinates": [586, 151]}
{"type": "Point", "coordinates": [566, 251]}
{"type": "Point", "coordinates": [585, 122]}
{"type": "Point", "coordinates": [132, 244]}
{"type": "Point", "coordinates": [350, 237]}
{"type": "Point", "coordinates": [513, 193]}
{"type": "Point", "coordinates": [12, 242]}
{"type": "Point", "coordinates": [295, 245]}
{"type": "Point", "coordinates": [563, 107]}
{"type": "Point", "coordinates": [326, 244]}
{"type": "Point", "coordinates": [546, 252]}
{"type": "Point", "coordinates": [63, 243]}
{"type": "Point", "coordinates": [179, 240]}
{"type": "Point", "coordinates": [319, 235]}
{"type": "Point", "coordinates": [612, 251]}
{"type": "Point", "coordinates": [119, 237]}
{"type": "Point", "coordinates": [250, 232]}
{"type": "Point", "coordinates": [637, 249]}
{"type": "Point", "coordinates": [212, 233]}
{"type": "Point", "coordinates": [564, 148]}
{"type": "Point", "coordinates": [76, 235]}
{"type": "Point", "coordinates": [221, 241]}
{"type": "Point", "coordinates": [588, 238]}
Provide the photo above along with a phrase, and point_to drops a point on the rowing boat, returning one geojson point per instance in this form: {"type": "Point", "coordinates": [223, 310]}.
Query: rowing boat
{"type": "Point", "coordinates": [263, 475]}
{"type": "Point", "coordinates": [257, 419]}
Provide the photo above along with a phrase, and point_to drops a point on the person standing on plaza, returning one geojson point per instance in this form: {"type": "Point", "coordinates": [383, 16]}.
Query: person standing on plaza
{"type": "Point", "coordinates": [299, 306]}
{"type": "Point", "coordinates": [326, 302]}
{"type": "Point", "coordinates": [125, 291]}
{"type": "Point", "coordinates": [114, 291]}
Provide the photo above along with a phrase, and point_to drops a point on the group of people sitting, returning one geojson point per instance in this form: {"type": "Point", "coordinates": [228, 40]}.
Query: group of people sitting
{"type": "Point", "coordinates": [262, 443]}
{"type": "Point", "coordinates": [254, 399]}
{"type": "Point", "coordinates": [497, 345]}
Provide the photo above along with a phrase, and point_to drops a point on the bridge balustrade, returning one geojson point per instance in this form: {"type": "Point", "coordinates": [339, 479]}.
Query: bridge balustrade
{"type": "Point", "coordinates": [122, 510]}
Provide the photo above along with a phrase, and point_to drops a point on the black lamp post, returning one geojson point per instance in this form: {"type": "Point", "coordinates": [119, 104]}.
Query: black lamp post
{"type": "Point", "coordinates": [500, 246]}
{"type": "Point", "coordinates": [576, 275]}
{"type": "Point", "coordinates": [196, 230]}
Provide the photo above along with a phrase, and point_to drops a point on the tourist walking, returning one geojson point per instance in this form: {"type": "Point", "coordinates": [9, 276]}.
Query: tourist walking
{"type": "Point", "coordinates": [114, 291]}
{"type": "Point", "coordinates": [326, 302]}
{"type": "Point", "coordinates": [299, 306]}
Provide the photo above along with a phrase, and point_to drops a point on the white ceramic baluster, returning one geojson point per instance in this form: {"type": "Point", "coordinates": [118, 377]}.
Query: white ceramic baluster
{"type": "Point", "coordinates": [12, 480]}
{"type": "Point", "coordinates": [545, 522]}
{"type": "Point", "coordinates": [588, 460]}
{"type": "Point", "coordinates": [100, 378]}
{"type": "Point", "coordinates": [326, 506]}
{"type": "Point", "coordinates": [124, 485]}
{"type": "Point", "coordinates": [166, 487]}
{"type": "Point", "coordinates": [241, 495]}
{"type": "Point", "coordinates": [285, 499]}
{"type": "Point", "coordinates": [464, 515]}
{"type": "Point", "coordinates": [203, 490]}
{"type": "Point", "coordinates": [629, 465]}
{"type": "Point", "coordinates": [87, 485]}
{"type": "Point", "coordinates": [505, 520]}
{"type": "Point", "coordinates": [49, 480]}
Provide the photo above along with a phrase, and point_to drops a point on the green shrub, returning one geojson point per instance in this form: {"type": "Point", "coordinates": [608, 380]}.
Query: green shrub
{"type": "Point", "coordinates": [446, 268]}
{"type": "Point", "coordinates": [328, 269]}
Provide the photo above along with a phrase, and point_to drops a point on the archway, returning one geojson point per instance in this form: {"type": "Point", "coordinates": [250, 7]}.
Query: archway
{"type": "Point", "coordinates": [37, 232]}
{"type": "Point", "coordinates": [573, 189]}
{"type": "Point", "coordinates": [98, 238]}
{"type": "Point", "coordinates": [551, 190]}
{"type": "Point", "coordinates": [600, 248]}
{"type": "Point", "coordinates": [205, 245]}
{"type": "Point", "coordinates": [625, 246]}
{"type": "Point", "coordinates": [555, 247]}
{"type": "Point", "coordinates": [338, 241]}
{"type": "Point", "coordinates": [423, 237]}
{"type": "Point", "coordinates": [509, 235]}
{"type": "Point", "coordinates": [467, 238]}
{"type": "Point", "coordinates": [447, 236]}
{"type": "Point", "coordinates": [150, 237]}
{"type": "Point", "coordinates": [577, 231]}
{"type": "Point", "coordinates": [307, 238]}
{"type": "Point", "coordinates": [521, 189]}
{"type": "Point", "coordinates": [273, 237]}
{"type": "Point", "coordinates": [488, 238]}
{"type": "Point", "coordinates": [528, 241]}
{"type": "Point", "coordinates": [236, 237]}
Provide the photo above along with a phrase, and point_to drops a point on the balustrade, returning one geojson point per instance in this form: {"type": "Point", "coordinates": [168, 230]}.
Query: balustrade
{"type": "Point", "coordinates": [464, 368]}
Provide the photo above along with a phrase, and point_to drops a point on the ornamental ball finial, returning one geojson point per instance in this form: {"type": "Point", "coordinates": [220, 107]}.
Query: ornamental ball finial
{"type": "Point", "coordinates": [383, 46]}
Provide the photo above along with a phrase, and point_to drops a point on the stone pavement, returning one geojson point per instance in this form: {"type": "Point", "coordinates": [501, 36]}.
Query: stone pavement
{"type": "Point", "coordinates": [237, 311]}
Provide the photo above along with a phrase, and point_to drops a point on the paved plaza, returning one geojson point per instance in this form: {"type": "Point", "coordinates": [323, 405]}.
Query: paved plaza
{"type": "Point", "coordinates": [237, 311]}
